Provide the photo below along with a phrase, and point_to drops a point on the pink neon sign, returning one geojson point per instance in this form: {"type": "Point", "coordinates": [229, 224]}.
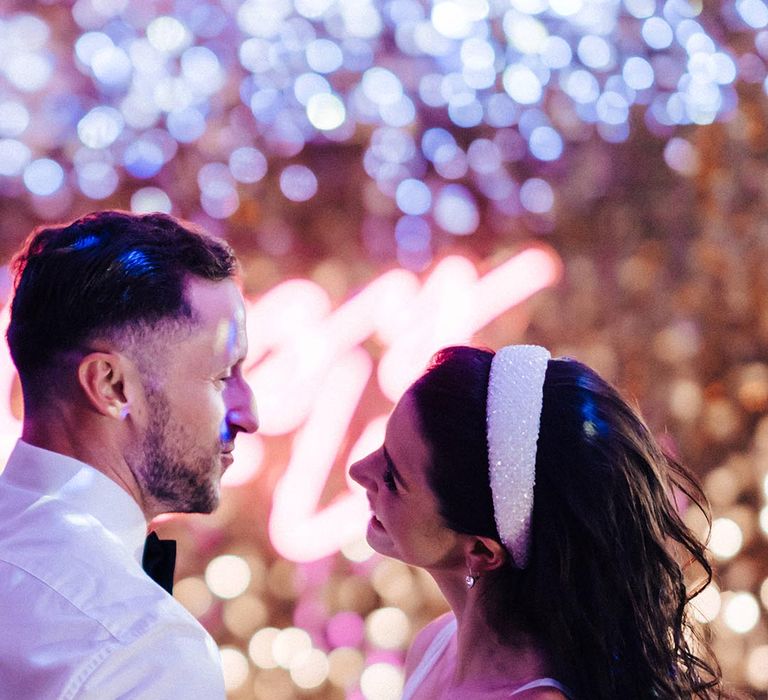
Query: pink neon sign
{"type": "Point", "coordinates": [310, 372]}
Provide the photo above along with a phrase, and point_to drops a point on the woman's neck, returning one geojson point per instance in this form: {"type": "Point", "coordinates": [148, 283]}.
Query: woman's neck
{"type": "Point", "coordinates": [481, 655]}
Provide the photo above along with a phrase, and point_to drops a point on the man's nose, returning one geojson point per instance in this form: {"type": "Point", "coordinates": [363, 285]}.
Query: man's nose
{"type": "Point", "coordinates": [243, 416]}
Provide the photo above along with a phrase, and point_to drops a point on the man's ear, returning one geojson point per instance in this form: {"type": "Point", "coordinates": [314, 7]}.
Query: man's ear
{"type": "Point", "coordinates": [484, 554]}
{"type": "Point", "coordinates": [102, 377]}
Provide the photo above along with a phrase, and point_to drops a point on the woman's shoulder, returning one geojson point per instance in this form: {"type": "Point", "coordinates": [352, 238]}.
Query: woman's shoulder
{"type": "Point", "coordinates": [422, 641]}
{"type": "Point", "coordinates": [541, 694]}
{"type": "Point", "coordinates": [552, 691]}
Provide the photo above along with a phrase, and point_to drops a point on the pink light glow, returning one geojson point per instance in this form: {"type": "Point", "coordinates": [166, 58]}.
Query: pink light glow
{"type": "Point", "coordinates": [309, 373]}
{"type": "Point", "coordinates": [319, 374]}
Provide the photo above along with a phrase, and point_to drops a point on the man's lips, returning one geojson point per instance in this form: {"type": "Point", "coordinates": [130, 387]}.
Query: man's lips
{"type": "Point", "coordinates": [226, 456]}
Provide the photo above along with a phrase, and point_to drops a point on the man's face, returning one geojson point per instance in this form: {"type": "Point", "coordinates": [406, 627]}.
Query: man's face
{"type": "Point", "coordinates": [195, 405]}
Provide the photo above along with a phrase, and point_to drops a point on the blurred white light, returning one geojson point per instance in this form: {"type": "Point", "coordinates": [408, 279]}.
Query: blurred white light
{"type": "Point", "coordinates": [228, 576]}
{"type": "Point", "coordinates": [201, 67]}
{"type": "Point", "coordinates": [312, 9]}
{"type": "Point", "coordinates": [14, 157]}
{"type": "Point", "coordinates": [522, 84]}
{"type": "Point", "coordinates": [112, 66]}
{"type": "Point", "coordinates": [413, 197]}
{"type": "Point", "coordinates": [465, 110]}
{"type": "Point", "coordinates": [536, 196]}
{"type": "Point", "coordinates": [527, 34]}
{"type": "Point", "coordinates": [100, 127]}
{"type": "Point", "coordinates": [191, 591]}
{"type": "Point", "coordinates": [28, 30]}
{"type": "Point", "coordinates": [763, 516]}
{"type": "Point", "coordinates": [357, 551]}
{"type": "Point", "coordinates": [247, 165]}
{"type": "Point", "coordinates": [566, 8]}
{"type": "Point", "coordinates": [298, 183]}
{"type": "Point", "coordinates": [14, 118]}
{"type": "Point", "coordinates": [637, 73]}
{"type": "Point", "coordinates": [263, 19]}
{"type": "Point", "coordinates": [381, 681]}
{"type": "Point", "coordinates": [545, 143]}
{"type": "Point", "coordinates": [657, 33]}
{"type": "Point", "coordinates": [582, 86]}
{"type": "Point", "coordinates": [326, 112]}
{"type": "Point", "coordinates": [556, 53]}
{"type": "Point", "coordinates": [477, 54]}
{"type": "Point", "coordinates": [484, 156]}
{"type": "Point", "coordinates": [260, 647]}
{"type": "Point", "coordinates": [757, 667]}
{"type": "Point", "coordinates": [725, 68]}
{"type": "Point", "coordinates": [309, 669]}
{"type": "Point", "coordinates": [398, 114]}
{"type": "Point", "coordinates": [681, 155]}
{"type": "Point", "coordinates": [612, 108]}
{"type": "Point", "coordinates": [324, 56]}
{"type": "Point", "coordinates": [43, 176]}
{"type": "Point", "coordinates": [221, 204]}
{"type": "Point", "coordinates": [149, 199]}
{"type": "Point", "coordinates": [308, 84]}
{"type": "Point", "coordinates": [361, 19]}
{"type": "Point", "coordinates": [706, 605]}
{"type": "Point", "coordinates": [89, 44]}
{"type": "Point", "coordinates": [168, 34]}
{"type": "Point", "coordinates": [254, 55]}
{"type": "Point", "coordinates": [97, 180]}
{"type": "Point", "coordinates": [753, 12]}
{"type": "Point", "coordinates": [288, 643]}
{"type": "Point", "coordinates": [234, 665]}
{"type": "Point", "coordinates": [455, 210]}
{"type": "Point", "coordinates": [451, 19]}
{"type": "Point", "coordinates": [388, 628]}
{"type": "Point", "coordinates": [642, 9]}
{"type": "Point", "coordinates": [29, 72]}
{"type": "Point", "coordinates": [186, 125]}
{"type": "Point", "coordinates": [594, 51]}
{"type": "Point", "coordinates": [741, 612]}
{"type": "Point", "coordinates": [381, 86]}
{"type": "Point", "coordinates": [725, 539]}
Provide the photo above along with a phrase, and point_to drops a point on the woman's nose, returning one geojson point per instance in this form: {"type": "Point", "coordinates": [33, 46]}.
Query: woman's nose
{"type": "Point", "coordinates": [359, 472]}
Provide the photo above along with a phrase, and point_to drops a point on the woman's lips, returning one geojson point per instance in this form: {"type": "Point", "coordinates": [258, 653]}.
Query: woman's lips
{"type": "Point", "coordinates": [376, 523]}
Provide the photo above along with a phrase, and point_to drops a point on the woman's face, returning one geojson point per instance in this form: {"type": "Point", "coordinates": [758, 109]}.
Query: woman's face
{"type": "Point", "coordinates": [406, 523]}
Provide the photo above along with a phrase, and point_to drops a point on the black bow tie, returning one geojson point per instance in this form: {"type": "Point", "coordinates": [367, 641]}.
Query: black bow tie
{"type": "Point", "coordinates": [159, 559]}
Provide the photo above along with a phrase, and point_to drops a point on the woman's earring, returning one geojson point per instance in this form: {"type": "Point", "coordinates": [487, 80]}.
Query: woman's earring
{"type": "Point", "coordinates": [470, 579]}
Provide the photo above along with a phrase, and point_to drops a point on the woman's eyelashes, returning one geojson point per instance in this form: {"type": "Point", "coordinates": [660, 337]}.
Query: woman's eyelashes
{"type": "Point", "coordinates": [389, 478]}
{"type": "Point", "coordinates": [389, 472]}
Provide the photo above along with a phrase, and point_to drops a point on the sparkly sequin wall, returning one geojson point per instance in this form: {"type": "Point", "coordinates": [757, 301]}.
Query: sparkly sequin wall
{"type": "Point", "coordinates": [396, 176]}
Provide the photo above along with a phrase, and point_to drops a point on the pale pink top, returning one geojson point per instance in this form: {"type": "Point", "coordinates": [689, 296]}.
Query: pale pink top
{"type": "Point", "coordinates": [440, 644]}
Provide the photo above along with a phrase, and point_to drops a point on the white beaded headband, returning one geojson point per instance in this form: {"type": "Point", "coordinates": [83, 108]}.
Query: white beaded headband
{"type": "Point", "coordinates": [515, 395]}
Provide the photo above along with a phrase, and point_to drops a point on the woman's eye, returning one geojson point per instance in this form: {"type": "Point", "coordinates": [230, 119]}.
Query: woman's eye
{"type": "Point", "coordinates": [389, 479]}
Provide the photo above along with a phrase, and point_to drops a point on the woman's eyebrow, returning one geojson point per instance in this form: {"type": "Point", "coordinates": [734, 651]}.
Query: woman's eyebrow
{"type": "Point", "coordinates": [398, 476]}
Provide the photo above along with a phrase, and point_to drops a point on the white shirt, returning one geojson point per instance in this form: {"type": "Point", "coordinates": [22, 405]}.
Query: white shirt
{"type": "Point", "coordinates": [79, 618]}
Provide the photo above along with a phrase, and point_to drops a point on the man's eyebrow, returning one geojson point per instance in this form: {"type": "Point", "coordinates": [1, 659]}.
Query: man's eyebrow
{"type": "Point", "coordinates": [398, 476]}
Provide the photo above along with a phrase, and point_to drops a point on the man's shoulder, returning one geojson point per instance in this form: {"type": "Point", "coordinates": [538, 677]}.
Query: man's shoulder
{"type": "Point", "coordinates": [82, 572]}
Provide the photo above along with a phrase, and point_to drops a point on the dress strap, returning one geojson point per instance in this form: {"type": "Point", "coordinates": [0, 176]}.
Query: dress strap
{"type": "Point", "coordinates": [431, 655]}
{"type": "Point", "coordinates": [544, 683]}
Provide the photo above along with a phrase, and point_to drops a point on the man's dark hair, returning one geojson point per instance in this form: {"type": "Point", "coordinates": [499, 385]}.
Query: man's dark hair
{"type": "Point", "coordinates": [107, 273]}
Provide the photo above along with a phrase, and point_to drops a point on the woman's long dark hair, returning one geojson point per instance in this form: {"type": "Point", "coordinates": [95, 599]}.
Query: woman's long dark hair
{"type": "Point", "coordinates": [604, 592]}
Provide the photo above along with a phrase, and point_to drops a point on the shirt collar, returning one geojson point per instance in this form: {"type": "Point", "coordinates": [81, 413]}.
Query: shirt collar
{"type": "Point", "coordinates": [82, 487]}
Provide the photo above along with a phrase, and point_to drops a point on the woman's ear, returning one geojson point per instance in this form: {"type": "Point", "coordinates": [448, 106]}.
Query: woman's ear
{"type": "Point", "coordinates": [101, 376]}
{"type": "Point", "coordinates": [484, 554]}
